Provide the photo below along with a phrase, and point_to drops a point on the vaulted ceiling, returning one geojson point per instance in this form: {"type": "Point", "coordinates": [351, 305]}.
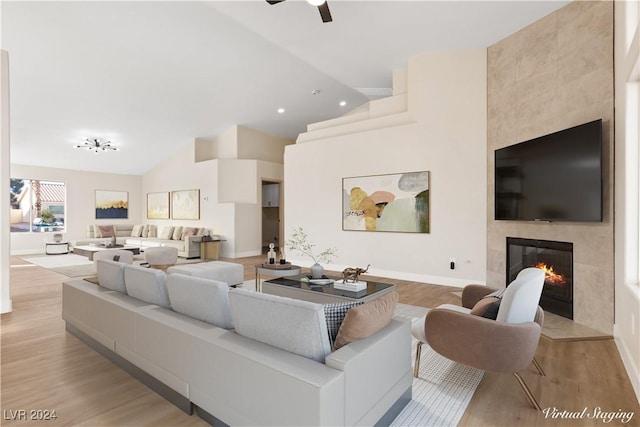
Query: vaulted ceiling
{"type": "Point", "coordinates": [152, 76]}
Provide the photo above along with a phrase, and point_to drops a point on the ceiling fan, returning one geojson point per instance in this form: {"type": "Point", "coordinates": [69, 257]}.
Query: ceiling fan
{"type": "Point", "coordinates": [323, 7]}
{"type": "Point", "coordinates": [96, 145]}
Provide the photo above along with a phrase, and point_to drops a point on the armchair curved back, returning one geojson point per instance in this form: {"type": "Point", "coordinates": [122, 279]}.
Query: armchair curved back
{"type": "Point", "coordinates": [522, 296]}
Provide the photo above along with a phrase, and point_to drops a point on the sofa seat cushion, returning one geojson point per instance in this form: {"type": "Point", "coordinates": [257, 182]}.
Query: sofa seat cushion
{"type": "Point", "coordinates": [178, 244]}
{"type": "Point", "coordinates": [202, 299]}
{"type": "Point", "coordinates": [147, 284]}
{"type": "Point", "coordinates": [292, 325]}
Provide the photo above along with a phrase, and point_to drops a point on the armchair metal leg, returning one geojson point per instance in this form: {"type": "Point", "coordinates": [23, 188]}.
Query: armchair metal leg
{"type": "Point", "coordinates": [416, 367]}
{"type": "Point", "coordinates": [526, 390]}
{"type": "Point", "coordinates": [538, 367]}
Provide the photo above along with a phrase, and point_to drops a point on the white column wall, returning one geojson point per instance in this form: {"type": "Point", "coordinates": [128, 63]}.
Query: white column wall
{"type": "Point", "coordinates": [627, 218]}
{"type": "Point", "coordinates": [5, 160]}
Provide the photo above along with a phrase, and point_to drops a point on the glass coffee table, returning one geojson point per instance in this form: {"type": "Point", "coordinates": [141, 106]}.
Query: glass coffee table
{"type": "Point", "coordinates": [296, 287]}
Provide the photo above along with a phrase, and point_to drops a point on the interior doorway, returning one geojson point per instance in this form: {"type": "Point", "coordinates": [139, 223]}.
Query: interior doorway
{"type": "Point", "coordinates": [271, 215]}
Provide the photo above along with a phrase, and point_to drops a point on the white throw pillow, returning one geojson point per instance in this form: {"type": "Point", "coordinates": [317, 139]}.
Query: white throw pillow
{"type": "Point", "coordinates": [136, 231]}
{"type": "Point", "coordinates": [166, 233]}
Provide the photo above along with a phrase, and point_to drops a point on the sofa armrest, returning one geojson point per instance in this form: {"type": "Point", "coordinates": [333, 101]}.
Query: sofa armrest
{"type": "Point", "coordinates": [376, 368]}
{"type": "Point", "coordinates": [471, 294]}
{"type": "Point", "coordinates": [192, 246]}
{"type": "Point", "coordinates": [482, 343]}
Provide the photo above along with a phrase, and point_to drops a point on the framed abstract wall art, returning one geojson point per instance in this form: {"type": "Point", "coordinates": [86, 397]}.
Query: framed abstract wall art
{"type": "Point", "coordinates": [392, 202]}
{"type": "Point", "coordinates": [112, 204]}
{"type": "Point", "coordinates": [185, 204]}
{"type": "Point", "coordinates": [158, 205]}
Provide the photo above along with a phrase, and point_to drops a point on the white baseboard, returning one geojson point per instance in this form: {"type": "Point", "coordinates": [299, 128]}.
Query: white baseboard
{"type": "Point", "coordinates": [243, 254]}
{"type": "Point", "coordinates": [27, 252]}
{"type": "Point", "coordinates": [627, 360]}
{"type": "Point", "coordinates": [399, 275]}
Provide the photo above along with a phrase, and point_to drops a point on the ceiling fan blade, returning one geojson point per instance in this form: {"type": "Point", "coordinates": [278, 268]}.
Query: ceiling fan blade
{"type": "Point", "coordinates": [274, 1]}
{"type": "Point", "coordinates": [324, 12]}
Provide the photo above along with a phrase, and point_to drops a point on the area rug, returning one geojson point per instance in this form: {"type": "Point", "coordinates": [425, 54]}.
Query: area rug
{"type": "Point", "coordinates": [73, 265]}
{"type": "Point", "coordinates": [443, 389]}
{"type": "Point", "coordinates": [70, 265]}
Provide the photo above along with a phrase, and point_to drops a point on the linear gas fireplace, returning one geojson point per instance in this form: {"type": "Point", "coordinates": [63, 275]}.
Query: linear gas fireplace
{"type": "Point", "coordinates": [556, 259]}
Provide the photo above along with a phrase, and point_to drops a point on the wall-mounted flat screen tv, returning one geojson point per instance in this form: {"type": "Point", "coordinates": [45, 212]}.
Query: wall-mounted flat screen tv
{"type": "Point", "coordinates": [556, 177]}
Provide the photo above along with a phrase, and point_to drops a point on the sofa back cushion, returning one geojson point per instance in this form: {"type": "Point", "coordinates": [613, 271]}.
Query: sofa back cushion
{"type": "Point", "coordinates": [147, 284]}
{"type": "Point", "coordinates": [111, 274]}
{"type": "Point", "coordinates": [202, 299]}
{"type": "Point", "coordinates": [123, 230]}
{"type": "Point", "coordinates": [292, 325]}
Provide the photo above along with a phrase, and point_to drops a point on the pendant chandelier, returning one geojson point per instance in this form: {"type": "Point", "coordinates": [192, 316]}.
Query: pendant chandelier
{"type": "Point", "coordinates": [96, 145]}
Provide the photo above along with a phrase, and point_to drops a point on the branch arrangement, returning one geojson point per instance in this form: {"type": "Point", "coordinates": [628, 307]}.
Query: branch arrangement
{"type": "Point", "coordinates": [299, 242]}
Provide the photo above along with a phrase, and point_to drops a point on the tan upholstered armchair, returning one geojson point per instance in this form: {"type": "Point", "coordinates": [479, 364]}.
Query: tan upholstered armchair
{"type": "Point", "coordinates": [507, 344]}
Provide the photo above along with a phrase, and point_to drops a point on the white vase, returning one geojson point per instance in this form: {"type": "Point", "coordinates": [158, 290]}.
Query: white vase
{"type": "Point", "coordinates": [317, 271]}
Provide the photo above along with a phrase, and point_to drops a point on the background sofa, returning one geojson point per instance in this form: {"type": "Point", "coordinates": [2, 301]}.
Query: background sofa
{"type": "Point", "coordinates": [185, 239]}
{"type": "Point", "coordinates": [233, 379]}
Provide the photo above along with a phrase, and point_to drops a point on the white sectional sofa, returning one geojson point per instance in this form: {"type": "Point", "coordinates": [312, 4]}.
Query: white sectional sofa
{"type": "Point", "coordinates": [227, 376]}
{"type": "Point", "coordinates": [185, 239]}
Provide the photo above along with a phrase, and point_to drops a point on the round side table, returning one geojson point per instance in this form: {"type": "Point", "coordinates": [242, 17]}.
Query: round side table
{"type": "Point", "coordinates": [56, 248]}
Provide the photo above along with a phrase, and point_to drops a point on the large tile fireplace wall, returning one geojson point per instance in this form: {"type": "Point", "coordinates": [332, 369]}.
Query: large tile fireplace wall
{"type": "Point", "coordinates": [552, 75]}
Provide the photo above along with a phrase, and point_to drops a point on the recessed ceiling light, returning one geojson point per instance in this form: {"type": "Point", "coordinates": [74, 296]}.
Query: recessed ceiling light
{"type": "Point", "coordinates": [280, 110]}
{"type": "Point", "coordinates": [316, 2]}
{"type": "Point", "coordinates": [343, 103]}
{"type": "Point", "coordinates": [316, 92]}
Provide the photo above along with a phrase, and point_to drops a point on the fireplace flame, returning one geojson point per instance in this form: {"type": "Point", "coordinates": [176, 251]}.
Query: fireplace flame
{"type": "Point", "coordinates": [551, 277]}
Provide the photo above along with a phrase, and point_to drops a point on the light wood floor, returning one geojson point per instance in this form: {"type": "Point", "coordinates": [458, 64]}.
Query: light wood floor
{"type": "Point", "coordinates": [44, 368]}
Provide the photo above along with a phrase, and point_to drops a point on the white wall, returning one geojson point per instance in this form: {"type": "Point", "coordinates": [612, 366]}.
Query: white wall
{"type": "Point", "coordinates": [627, 288]}
{"type": "Point", "coordinates": [5, 247]}
{"type": "Point", "coordinates": [447, 100]}
{"type": "Point", "coordinates": [80, 202]}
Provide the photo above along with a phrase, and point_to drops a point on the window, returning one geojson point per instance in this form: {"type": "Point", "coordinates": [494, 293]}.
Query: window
{"type": "Point", "coordinates": [37, 205]}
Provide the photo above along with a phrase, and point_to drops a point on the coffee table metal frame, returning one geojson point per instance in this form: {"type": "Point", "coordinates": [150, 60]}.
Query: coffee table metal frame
{"type": "Point", "coordinates": [272, 272]}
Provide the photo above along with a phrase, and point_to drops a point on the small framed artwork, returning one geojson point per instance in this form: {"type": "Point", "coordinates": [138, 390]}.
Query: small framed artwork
{"type": "Point", "coordinates": [112, 204]}
{"type": "Point", "coordinates": [185, 204]}
{"type": "Point", "coordinates": [158, 205]}
{"type": "Point", "coordinates": [392, 202]}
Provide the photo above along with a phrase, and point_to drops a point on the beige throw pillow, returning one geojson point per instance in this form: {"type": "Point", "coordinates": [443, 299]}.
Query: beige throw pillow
{"type": "Point", "coordinates": [366, 319]}
{"type": "Point", "coordinates": [177, 233]}
{"type": "Point", "coordinates": [145, 231]}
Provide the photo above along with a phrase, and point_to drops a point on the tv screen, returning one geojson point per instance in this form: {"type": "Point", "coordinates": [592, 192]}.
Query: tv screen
{"type": "Point", "coordinates": [556, 177]}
